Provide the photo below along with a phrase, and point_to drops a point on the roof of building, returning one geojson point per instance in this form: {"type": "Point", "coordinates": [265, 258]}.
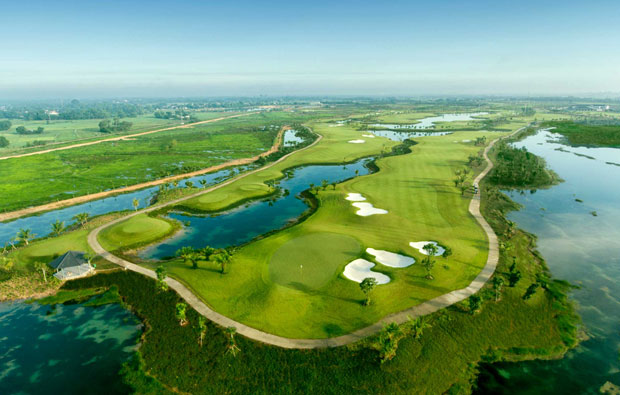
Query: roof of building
{"type": "Point", "coordinates": [69, 259]}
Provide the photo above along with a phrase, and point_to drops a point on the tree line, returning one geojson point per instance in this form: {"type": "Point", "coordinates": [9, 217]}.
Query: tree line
{"type": "Point", "coordinates": [518, 167]}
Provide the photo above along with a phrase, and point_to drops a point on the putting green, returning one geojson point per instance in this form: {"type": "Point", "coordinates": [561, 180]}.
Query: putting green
{"type": "Point", "coordinates": [311, 261]}
{"type": "Point", "coordinates": [135, 231]}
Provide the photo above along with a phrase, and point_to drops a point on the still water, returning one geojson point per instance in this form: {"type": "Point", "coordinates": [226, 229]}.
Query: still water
{"type": "Point", "coordinates": [583, 249]}
{"type": "Point", "coordinates": [429, 122]}
{"type": "Point", "coordinates": [244, 223]}
{"type": "Point", "coordinates": [64, 349]}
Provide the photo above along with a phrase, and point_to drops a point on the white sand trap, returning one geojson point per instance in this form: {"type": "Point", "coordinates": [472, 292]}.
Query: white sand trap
{"type": "Point", "coordinates": [359, 269]}
{"type": "Point", "coordinates": [366, 209]}
{"type": "Point", "coordinates": [466, 141]}
{"type": "Point", "coordinates": [370, 136]}
{"type": "Point", "coordinates": [420, 247]}
{"type": "Point", "coordinates": [391, 259]}
{"type": "Point", "coordinates": [357, 141]}
{"type": "Point", "coordinates": [355, 197]}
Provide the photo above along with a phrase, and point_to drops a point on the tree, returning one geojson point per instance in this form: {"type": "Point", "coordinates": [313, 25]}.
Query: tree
{"type": "Point", "coordinates": [135, 203]}
{"type": "Point", "coordinates": [202, 328]}
{"type": "Point", "coordinates": [232, 344]}
{"type": "Point", "coordinates": [430, 248]}
{"type": "Point", "coordinates": [207, 252]}
{"type": "Point", "coordinates": [221, 257]}
{"type": "Point", "coordinates": [475, 302]}
{"type": "Point", "coordinates": [161, 278]}
{"type": "Point", "coordinates": [203, 182]}
{"type": "Point", "coordinates": [367, 285]}
{"type": "Point", "coordinates": [513, 278]}
{"type": "Point", "coordinates": [463, 188]}
{"type": "Point", "coordinates": [20, 130]}
{"type": "Point", "coordinates": [24, 235]}
{"type": "Point", "coordinates": [188, 254]}
{"type": "Point", "coordinates": [498, 283]}
{"type": "Point", "coordinates": [324, 184]}
{"type": "Point", "coordinates": [43, 268]}
{"type": "Point", "coordinates": [104, 126]}
{"type": "Point", "coordinates": [3, 142]}
{"type": "Point", "coordinates": [5, 125]}
{"type": "Point", "coordinates": [388, 341]}
{"type": "Point", "coordinates": [428, 262]}
{"type": "Point", "coordinates": [447, 252]}
{"type": "Point", "coordinates": [530, 291]}
{"type": "Point", "coordinates": [81, 218]}
{"type": "Point", "coordinates": [189, 184]}
{"type": "Point", "coordinates": [417, 326]}
{"type": "Point", "coordinates": [334, 186]}
{"type": "Point", "coordinates": [180, 313]}
{"type": "Point", "coordinates": [58, 227]}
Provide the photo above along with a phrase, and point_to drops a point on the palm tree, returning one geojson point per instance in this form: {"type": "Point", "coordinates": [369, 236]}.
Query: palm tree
{"type": "Point", "coordinates": [81, 218]}
{"type": "Point", "coordinates": [161, 278]}
{"type": "Point", "coordinates": [498, 283]}
{"type": "Point", "coordinates": [180, 313]}
{"type": "Point", "coordinates": [43, 268]}
{"type": "Point", "coordinates": [136, 204]}
{"type": "Point", "coordinates": [232, 345]}
{"type": "Point", "coordinates": [367, 285]}
{"type": "Point", "coordinates": [188, 254]}
{"type": "Point", "coordinates": [189, 184]}
{"type": "Point", "coordinates": [203, 182]}
{"type": "Point", "coordinates": [474, 304]}
{"type": "Point", "coordinates": [388, 341]}
{"type": "Point", "coordinates": [202, 328]}
{"type": "Point", "coordinates": [58, 227]}
{"type": "Point", "coordinates": [25, 235]}
{"type": "Point", "coordinates": [222, 257]}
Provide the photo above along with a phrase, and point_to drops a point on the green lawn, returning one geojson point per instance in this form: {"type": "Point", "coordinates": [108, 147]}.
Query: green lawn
{"type": "Point", "coordinates": [316, 300]}
{"type": "Point", "coordinates": [137, 230]}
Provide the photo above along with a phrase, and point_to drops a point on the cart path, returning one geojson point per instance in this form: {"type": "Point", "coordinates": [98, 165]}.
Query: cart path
{"type": "Point", "coordinates": [93, 196]}
{"type": "Point", "coordinates": [425, 308]}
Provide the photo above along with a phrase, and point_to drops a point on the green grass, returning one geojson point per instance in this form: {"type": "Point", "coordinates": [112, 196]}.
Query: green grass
{"type": "Point", "coordinates": [60, 132]}
{"type": "Point", "coordinates": [588, 135]}
{"type": "Point", "coordinates": [310, 262]}
{"type": "Point", "coordinates": [61, 175]}
{"type": "Point", "coordinates": [136, 231]}
{"type": "Point", "coordinates": [423, 204]}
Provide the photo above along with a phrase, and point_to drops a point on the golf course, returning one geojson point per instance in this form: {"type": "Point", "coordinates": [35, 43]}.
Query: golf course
{"type": "Point", "coordinates": [291, 282]}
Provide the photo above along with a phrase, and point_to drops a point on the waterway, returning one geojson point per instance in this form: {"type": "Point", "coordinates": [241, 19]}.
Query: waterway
{"type": "Point", "coordinates": [578, 227]}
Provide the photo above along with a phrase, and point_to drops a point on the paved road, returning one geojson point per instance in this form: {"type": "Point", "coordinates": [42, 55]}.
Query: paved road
{"type": "Point", "coordinates": [425, 308]}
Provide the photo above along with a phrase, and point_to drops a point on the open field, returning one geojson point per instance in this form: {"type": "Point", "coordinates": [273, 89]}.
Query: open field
{"type": "Point", "coordinates": [64, 174]}
{"type": "Point", "coordinates": [420, 208]}
{"type": "Point", "coordinates": [61, 132]}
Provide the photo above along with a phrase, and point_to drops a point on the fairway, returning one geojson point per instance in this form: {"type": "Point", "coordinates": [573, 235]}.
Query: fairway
{"type": "Point", "coordinates": [310, 262]}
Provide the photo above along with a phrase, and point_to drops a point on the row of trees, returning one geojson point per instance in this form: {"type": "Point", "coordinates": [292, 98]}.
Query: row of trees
{"type": "Point", "coordinates": [220, 256]}
{"type": "Point", "coordinates": [23, 130]}
{"type": "Point", "coordinates": [5, 124]}
{"type": "Point", "coordinates": [460, 180]}
{"type": "Point", "coordinates": [116, 125]}
{"type": "Point", "coordinates": [74, 110]}
{"type": "Point", "coordinates": [517, 167]}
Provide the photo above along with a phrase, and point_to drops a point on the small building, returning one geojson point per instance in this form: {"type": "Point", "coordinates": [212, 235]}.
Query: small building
{"type": "Point", "coordinates": [72, 264]}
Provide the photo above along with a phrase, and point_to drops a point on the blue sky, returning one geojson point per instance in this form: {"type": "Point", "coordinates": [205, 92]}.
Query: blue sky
{"type": "Point", "coordinates": [154, 48]}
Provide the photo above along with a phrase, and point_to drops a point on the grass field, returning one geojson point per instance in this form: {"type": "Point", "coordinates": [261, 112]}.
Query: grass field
{"type": "Point", "coordinates": [61, 175]}
{"type": "Point", "coordinates": [59, 132]}
{"type": "Point", "coordinates": [309, 297]}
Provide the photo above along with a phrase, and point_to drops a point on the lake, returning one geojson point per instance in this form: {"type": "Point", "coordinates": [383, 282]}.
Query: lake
{"type": "Point", "coordinates": [581, 248]}
{"type": "Point", "coordinates": [64, 349]}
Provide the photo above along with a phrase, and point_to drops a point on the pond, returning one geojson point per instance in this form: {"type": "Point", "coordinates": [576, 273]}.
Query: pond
{"type": "Point", "coordinates": [582, 248]}
{"type": "Point", "coordinates": [429, 122]}
{"type": "Point", "coordinates": [402, 136]}
{"type": "Point", "coordinates": [291, 139]}
{"type": "Point", "coordinates": [41, 226]}
{"type": "Point", "coordinates": [64, 349]}
{"type": "Point", "coordinates": [242, 224]}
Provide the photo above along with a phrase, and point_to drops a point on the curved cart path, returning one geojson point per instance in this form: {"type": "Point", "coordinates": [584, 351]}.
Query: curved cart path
{"type": "Point", "coordinates": [99, 195]}
{"type": "Point", "coordinates": [425, 308]}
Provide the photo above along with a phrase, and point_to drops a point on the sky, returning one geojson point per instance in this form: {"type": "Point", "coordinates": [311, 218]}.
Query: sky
{"type": "Point", "coordinates": [92, 49]}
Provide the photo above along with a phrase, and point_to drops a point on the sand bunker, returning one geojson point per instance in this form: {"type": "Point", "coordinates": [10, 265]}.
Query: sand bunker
{"type": "Point", "coordinates": [359, 269]}
{"type": "Point", "coordinates": [357, 141]}
{"type": "Point", "coordinates": [420, 247]}
{"type": "Point", "coordinates": [391, 259]}
{"type": "Point", "coordinates": [366, 209]}
{"type": "Point", "coordinates": [370, 136]}
{"type": "Point", "coordinates": [355, 197]}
